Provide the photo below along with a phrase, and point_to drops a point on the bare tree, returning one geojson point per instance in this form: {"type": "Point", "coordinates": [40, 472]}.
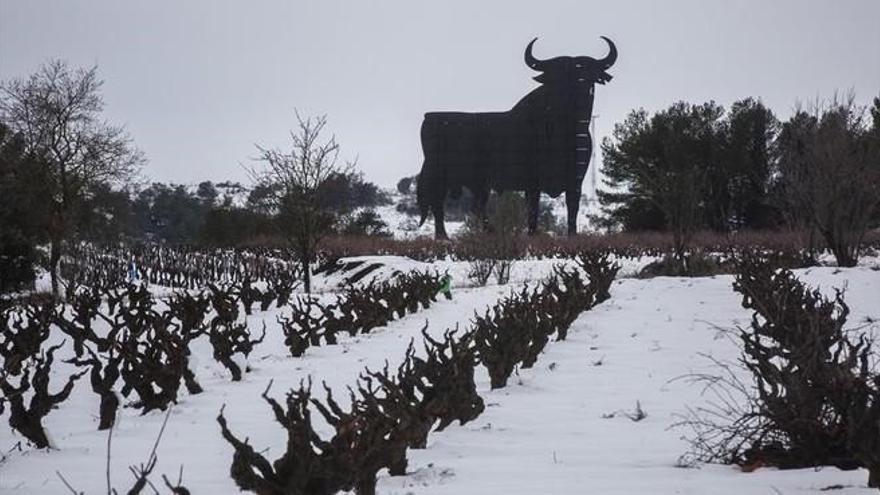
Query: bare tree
{"type": "Point", "coordinates": [57, 111]}
{"type": "Point", "coordinates": [299, 180]}
{"type": "Point", "coordinates": [830, 173]}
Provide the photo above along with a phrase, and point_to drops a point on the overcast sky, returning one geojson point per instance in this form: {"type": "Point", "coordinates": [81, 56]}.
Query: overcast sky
{"type": "Point", "coordinates": [197, 83]}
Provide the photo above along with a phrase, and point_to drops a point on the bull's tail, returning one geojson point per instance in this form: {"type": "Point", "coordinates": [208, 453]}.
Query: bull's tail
{"type": "Point", "coordinates": [422, 198]}
{"type": "Point", "coordinates": [431, 182]}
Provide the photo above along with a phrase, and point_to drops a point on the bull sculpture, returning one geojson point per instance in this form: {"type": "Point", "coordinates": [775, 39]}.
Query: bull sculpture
{"type": "Point", "coordinates": [541, 145]}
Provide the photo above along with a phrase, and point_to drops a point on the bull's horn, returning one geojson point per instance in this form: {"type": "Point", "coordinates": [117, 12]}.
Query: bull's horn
{"type": "Point", "coordinates": [609, 59]}
{"type": "Point", "coordinates": [531, 61]}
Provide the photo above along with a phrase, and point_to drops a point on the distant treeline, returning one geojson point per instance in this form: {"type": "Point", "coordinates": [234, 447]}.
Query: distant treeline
{"type": "Point", "coordinates": [221, 214]}
{"type": "Point", "coordinates": [692, 167]}
{"type": "Point", "coordinates": [218, 214]}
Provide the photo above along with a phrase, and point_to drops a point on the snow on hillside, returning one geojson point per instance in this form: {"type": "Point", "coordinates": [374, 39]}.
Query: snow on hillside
{"type": "Point", "coordinates": [559, 428]}
{"type": "Point", "coordinates": [404, 226]}
{"type": "Point", "coordinates": [384, 267]}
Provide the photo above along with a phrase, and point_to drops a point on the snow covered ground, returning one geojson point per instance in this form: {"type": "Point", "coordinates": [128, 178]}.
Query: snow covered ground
{"type": "Point", "coordinates": [550, 432]}
{"type": "Point", "coordinates": [522, 270]}
{"type": "Point", "coordinates": [559, 428]}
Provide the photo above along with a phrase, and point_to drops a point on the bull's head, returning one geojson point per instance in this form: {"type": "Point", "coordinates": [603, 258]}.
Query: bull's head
{"type": "Point", "coordinates": [572, 70]}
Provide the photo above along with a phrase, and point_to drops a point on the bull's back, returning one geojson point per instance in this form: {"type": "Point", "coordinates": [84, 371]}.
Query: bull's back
{"type": "Point", "coordinates": [458, 129]}
{"type": "Point", "coordinates": [476, 145]}
{"type": "Point", "coordinates": [454, 144]}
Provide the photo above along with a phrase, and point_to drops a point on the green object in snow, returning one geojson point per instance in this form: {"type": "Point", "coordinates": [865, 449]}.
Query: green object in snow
{"type": "Point", "coordinates": [446, 285]}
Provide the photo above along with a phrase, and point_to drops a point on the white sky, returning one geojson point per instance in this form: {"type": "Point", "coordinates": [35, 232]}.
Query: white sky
{"type": "Point", "coordinates": [197, 83]}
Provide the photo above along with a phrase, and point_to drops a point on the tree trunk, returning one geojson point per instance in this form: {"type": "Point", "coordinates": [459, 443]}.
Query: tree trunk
{"type": "Point", "coordinates": [366, 485]}
{"type": "Point", "coordinates": [232, 367]}
{"type": "Point", "coordinates": [874, 476]}
{"type": "Point", "coordinates": [54, 260]}
{"type": "Point", "coordinates": [398, 463]}
{"type": "Point", "coordinates": [30, 426]}
{"type": "Point", "coordinates": [109, 405]}
{"type": "Point", "coordinates": [497, 380]}
{"type": "Point", "coordinates": [843, 252]}
{"type": "Point", "coordinates": [307, 273]}
{"type": "Point", "coordinates": [189, 379]}
{"type": "Point", "coordinates": [812, 245]}
{"type": "Point", "coordinates": [678, 247]}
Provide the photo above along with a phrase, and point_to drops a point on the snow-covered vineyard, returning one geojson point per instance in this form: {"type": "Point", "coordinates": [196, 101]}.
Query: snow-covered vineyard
{"type": "Point", "coordinates": [439, 248]}
{"type": "Point", "coordinates": [596, 413]}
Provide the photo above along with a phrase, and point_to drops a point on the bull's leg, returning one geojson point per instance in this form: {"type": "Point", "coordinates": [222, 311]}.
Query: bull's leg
{"type": "Point", "coordinates": [481, 199]}
{"type": "Point", "coordinates": [573, 202]}
{"type": "Point", "coordinates": [533, 202]}
{"type": "Point", "coordinates": [439, 225]}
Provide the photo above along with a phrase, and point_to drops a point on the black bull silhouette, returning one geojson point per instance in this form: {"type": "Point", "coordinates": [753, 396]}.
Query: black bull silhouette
{"type": "Point", "coordinates": [542, 144]}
